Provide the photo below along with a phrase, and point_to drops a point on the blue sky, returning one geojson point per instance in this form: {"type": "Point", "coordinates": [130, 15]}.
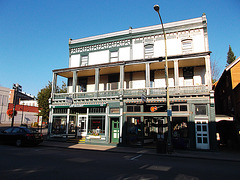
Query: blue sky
{"type": "Point", "coordinates": [34, 33]}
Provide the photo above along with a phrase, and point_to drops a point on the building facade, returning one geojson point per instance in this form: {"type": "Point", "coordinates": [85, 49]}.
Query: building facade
{"type": "Point", "coordinates": [117, 90]}
{"type": "Point", "coordinates": [227, 98]}
{"type": "Point", "coordinates": [4, 95]}
{"type": "Point", "coordinates": [25, 105]}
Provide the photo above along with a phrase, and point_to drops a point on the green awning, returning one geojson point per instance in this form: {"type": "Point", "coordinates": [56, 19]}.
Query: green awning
{"type": "Point", "coordinates": [88, 105]}
{"type": "Point", "coordinates": [60, 106]}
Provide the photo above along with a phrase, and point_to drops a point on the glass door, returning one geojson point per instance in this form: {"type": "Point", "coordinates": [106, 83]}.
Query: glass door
{"type": "Point", "coordinates": [82, 120]}
{"type": "Point", "coordinates": [201, 129]}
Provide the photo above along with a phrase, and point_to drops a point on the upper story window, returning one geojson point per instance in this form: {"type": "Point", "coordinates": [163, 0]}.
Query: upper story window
{"type": "Point", "coordinates": [84, 60]}
{"type": "Point", "coordinates": [114, 56]}
{"type": "Point", "coordinates": [200, 110]}
{"type": "Point", "coordinates": [148, 51]}
{"type": "Point", "coordinates": [187, 46]}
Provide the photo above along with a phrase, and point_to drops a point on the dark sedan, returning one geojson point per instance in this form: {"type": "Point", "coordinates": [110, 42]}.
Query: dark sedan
{"type": "Point", "coordinates": [20, 136]}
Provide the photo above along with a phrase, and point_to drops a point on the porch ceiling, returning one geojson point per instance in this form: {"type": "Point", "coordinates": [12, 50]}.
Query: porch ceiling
{"type": "Point", "coordinates": [135, 67]}
{"type": "Point", "coordinates": [191, 62]}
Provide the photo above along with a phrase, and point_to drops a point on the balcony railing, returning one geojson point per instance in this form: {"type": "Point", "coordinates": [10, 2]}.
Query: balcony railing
{"type": "Point", "coordinates": [181, 90]}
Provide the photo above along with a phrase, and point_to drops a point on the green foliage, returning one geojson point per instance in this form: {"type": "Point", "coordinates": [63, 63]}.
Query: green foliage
{"type": "Point", "coordinates": [43, 103]}
{"type": "Point", "coordinates": [230, 56]}
{"type": "Point", "coordinates": [44, 96]}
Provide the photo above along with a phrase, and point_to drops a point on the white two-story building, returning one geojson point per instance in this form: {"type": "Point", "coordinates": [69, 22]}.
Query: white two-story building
{"type": "Point", "coordinates": [117, 90]}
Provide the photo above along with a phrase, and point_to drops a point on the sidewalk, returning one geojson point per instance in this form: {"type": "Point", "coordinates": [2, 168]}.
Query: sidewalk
{"type": "Point", "coordinates": [225, 156]}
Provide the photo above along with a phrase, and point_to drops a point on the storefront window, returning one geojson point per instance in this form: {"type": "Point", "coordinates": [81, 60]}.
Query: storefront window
{"type": "Point", "coordinates": [72, 125]}
{"type": "Point", "coordinates": [133, 109]}
{"type": "Point", "coordinates": [200, 110]}
{"type": "Point", "coordinates": [96, 125]}
{"type": "Point", "coordinates": [60, 111]}
{"type": "Point", "coordinates": [134, 131]}
{"type": "Point", "coordinates": [180, 132]}
{"type": "Point", "coordinates": [59, 124]}
{"type": "Point", "coordinates": [97, 110]}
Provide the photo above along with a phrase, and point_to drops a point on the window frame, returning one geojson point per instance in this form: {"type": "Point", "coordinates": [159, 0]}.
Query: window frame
{"type": "Point", "coordinates": [148, 51]}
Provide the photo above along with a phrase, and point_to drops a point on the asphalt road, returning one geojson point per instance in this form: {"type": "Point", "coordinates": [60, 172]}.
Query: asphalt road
{"type": "Point", "coordinates": [58, 163]}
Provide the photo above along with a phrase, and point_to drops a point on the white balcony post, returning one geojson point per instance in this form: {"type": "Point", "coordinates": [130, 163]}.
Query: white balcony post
{"type": "Point", "coordinates": [121, 77]}
{"type": "Point", "coordinates": [147, 76]}
{"type": "Point", "coordinates": [74, 81]}
{"type": "Point", "coordinates": [208, 78]}
{"type": "Point", "coordinates": [97, 77]}
{"type": "Point", "coordinates": [54, 83]}
{"type": "Point", "coordinates": [176, 74]}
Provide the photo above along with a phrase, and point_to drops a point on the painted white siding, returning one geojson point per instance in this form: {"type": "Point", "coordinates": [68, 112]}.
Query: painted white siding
{"type": "Point", "coordinates": [138, 51]}
{"type": "Point", "coordinates": [138, 80]}
{"type": "Point", "coordinates": [124, 54]}
{"type": "Point", "coordinates": [74, 61]}
{"type": "Point", "coordinates": [99, 57]}
{"type": "Point", "coordinates": [160, 79]}
{"type": "Point", "coordinates": [173, 47]}
{"type": "Point", "coordinates": [199, 75]}
{"type": "Point", "coordinates": [198, 44]}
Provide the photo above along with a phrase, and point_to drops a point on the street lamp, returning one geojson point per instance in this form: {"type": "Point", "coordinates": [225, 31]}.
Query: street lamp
{"type": "Point", "coordinates": [15, 87]}
{"type": "Point", "coordinates": [169, 111]}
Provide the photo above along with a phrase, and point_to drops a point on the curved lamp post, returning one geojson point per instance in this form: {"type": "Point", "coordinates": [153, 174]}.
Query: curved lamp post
{"type": "Point", "coordinates": [169, 111]}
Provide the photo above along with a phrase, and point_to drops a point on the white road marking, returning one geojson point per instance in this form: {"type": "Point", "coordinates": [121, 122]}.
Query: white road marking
{"type": "Point", "coordinates": [136, 157]}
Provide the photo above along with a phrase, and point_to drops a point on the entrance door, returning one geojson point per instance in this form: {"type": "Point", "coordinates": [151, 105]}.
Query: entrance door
{"type": "Point", "coordinates": [82, 130]}
{"type": "Point", "coordinates": [201, 129]}
{"type": "Point", "coordinates": [115, 130]}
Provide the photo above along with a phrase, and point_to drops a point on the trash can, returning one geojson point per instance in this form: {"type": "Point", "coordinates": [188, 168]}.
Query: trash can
{"type": "Point", "coordinates": [161, 146]}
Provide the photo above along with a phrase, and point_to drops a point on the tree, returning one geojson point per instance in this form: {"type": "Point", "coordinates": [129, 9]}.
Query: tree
{"type": "Point", "coordinates": [214, 70]}
{"type": "Point", "coordinates": [230, 56]}
{"type": "Point", "coordinates": [43, 101]}
{"type": "Point", "coordinates": [44, 96]}
{"type": "Point", "coordinates": [10, 113]}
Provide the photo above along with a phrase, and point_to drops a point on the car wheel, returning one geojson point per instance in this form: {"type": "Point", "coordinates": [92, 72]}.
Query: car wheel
{"type": "Point", "coordinates": [18, 142]}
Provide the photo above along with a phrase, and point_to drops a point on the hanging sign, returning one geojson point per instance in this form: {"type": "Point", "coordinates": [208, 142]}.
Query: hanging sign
{"type": "Point", "coordinates": [153, 108]}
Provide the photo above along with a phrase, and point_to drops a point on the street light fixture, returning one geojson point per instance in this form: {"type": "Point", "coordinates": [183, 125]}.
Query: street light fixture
{"type": "Point", "coordinates": [16, 89]}
{"type": "Point", "coordinates": [169, 111]}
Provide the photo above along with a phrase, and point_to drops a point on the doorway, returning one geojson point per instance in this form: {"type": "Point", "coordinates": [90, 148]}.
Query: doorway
{"type": "Point", "coordinates": [114, 130]}
{"type": "Point", "coordinates": [201, 130]}
{"type": "Point", "coordinates": [81, 126]}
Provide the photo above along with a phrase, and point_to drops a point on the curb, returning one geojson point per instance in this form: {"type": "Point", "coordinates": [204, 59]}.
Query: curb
{"type": "Point", "coordinates": [147, 153]}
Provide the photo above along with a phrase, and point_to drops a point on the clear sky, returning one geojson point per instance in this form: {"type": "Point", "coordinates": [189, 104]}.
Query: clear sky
{"type": "Point", "coordinates": [34, 34]}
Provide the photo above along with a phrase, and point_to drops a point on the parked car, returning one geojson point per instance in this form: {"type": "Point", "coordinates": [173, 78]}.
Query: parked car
{"type": "Point", "coordinates": [20, 136]}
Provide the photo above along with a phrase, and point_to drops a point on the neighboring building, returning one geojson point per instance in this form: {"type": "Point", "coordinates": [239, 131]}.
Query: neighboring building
{"type": "Point", "coordinates": [27, 115]}
{"type": "Point", "coordinates": [29, 103]}
{"type": "Point", "coordinates": [116, 87]}
{"type": "Point", "coordinates": [4, 95]}
{"type": "Point", "coordinates": [19, 96]}
{"type": "Point", "coordinates": [25, 105]}
{"type": "Point", "coordinates": [227, 99]}
{"type": "Point", "coordinates": [224, 89]}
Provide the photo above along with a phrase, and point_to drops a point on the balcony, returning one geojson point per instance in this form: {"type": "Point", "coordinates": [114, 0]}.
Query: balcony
{"type": "Point", "coordinates": [152, 92]}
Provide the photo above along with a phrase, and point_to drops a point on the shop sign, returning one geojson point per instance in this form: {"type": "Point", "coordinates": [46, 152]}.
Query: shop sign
{"type": "Point", "coordinates": [69, 100]}
{"type": "Point", "coordinates": [153, 108]}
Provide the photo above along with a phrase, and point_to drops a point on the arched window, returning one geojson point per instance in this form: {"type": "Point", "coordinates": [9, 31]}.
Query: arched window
{"type": "Point", "coordinates": [187, 46]}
